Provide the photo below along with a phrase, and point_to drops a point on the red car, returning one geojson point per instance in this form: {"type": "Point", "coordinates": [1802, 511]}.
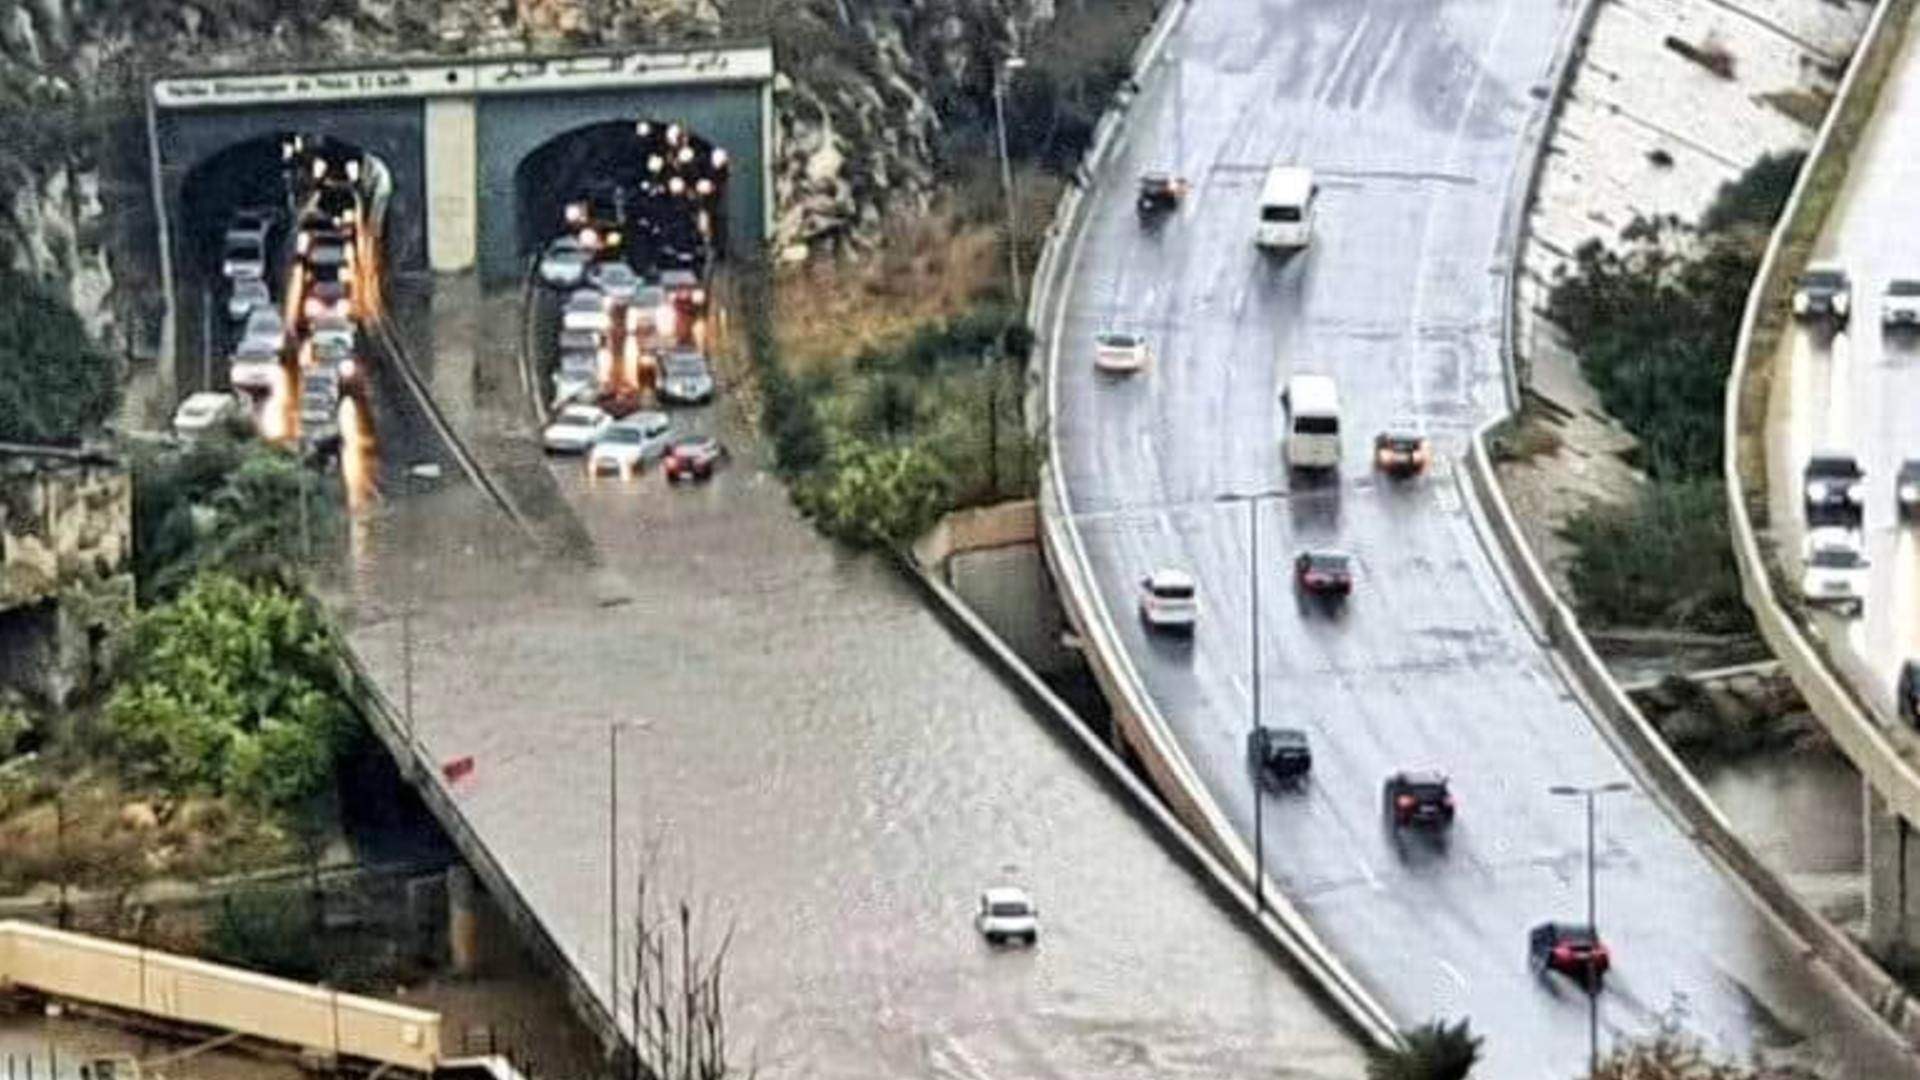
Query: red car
{"type": "Point", "coordinates": [1323, 573]}
{"type": "Point", "coordinates": [692, 457]}
{"type": "Point", "coordinates": [1572, 949]}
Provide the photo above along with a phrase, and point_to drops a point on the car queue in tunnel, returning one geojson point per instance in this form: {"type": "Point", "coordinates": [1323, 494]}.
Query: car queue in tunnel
{"type": "Point", "coordinates": [627, 270]}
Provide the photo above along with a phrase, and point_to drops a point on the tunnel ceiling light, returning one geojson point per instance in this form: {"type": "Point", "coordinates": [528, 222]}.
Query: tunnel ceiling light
{"type": "Point", "coordinates": [644, 129]}
{"type": "Point", "coordinates": [703, 185]}
{"type": "Point", "coordinates": [719, 157]}
{"type": "Point", "coordinates": [613, 239]}
{"type": "Point", "coordinates": [353, 170]}
{"type": "Point", "coordinates": [676, 185]}
{"type": "Point", "coordinates": [686, 155]}
{"type": "Point", "coordinates": [674, 134]}
{"type": "Point", "coordinates": [319, 168]}
{"type": "Point", "coordinates": [654, 163]}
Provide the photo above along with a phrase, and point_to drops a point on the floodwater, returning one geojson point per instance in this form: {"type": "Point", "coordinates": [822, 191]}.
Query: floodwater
{"type": "Point", "coordinates": [804, 752]}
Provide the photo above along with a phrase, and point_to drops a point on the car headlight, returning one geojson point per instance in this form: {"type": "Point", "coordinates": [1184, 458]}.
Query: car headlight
{"type": "Point", "coordinates": [1799, 303]}
{"type": "Point", "coordinates": [1910, 492]}
{"type": "Point", "coordinates": [1840, 302]}
{"type": "Point", "coordinates": [1856, 492]}
{"type": "Point", "coordinates": [1816, 491]}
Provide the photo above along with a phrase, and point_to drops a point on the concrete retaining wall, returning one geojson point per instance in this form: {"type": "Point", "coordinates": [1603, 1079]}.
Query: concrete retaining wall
{"type": "Point", "coordinates": [185, 990]}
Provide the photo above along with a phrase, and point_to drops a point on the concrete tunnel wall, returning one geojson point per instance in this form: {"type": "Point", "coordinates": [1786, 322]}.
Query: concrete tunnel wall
{"type": "Point", "coordinates": [510, 128]}
{"type": "Point", "coordinates": [390, 130]}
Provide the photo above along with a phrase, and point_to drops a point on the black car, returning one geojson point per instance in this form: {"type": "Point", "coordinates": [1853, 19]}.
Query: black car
{"type": "Point", "coordinates": [1834, 489]}
{"type": "Point", "coordinates": [1418, 798]}
{"type": "Point", "coordinates": [1906, 489]}
{"type": "Point", "coordinates": [1907, 692]}
{"type": "Point", "coordinates": [1279, 757]}
{"type": "Point", "coordinates": [1572, 949]}
{"type": "Point", "coordinates": [1823, 292]}
{"type": "Point", "coordinates": [1159, 194]}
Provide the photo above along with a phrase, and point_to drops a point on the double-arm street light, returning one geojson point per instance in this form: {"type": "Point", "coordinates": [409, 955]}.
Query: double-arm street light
{"type": "Point", "coordinates": [1253, 500]}
{"type": "Point", "coordinates": [1588, 793]}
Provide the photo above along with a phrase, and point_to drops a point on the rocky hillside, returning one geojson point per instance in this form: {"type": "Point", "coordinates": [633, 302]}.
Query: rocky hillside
{"type": "Point", "coordinates": [865, 91]}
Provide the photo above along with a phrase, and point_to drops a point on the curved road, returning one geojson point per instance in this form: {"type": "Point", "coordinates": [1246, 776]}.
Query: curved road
{"type": "Point", "coordinates": [1412, 114]}
{"type": "Point", "coordinates": [1858, 392]}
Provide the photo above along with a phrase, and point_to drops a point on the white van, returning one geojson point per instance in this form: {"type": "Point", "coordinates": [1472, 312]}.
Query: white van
{"type": "Point", "coordinates": [1286, 208]}
{"type": "Point", "coordinates": [1312, 437]}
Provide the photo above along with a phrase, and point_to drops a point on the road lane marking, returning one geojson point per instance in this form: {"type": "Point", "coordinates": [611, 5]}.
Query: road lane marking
{"type": "Point", "coordinates": [1454, 974]}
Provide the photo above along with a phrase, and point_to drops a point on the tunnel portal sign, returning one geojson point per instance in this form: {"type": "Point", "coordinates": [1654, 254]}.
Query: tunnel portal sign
{"type": "Point", "coordinates": [731, 64]}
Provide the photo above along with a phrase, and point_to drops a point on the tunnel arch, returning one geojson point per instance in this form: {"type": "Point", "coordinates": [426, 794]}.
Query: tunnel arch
{"type": "Point", "coordinates": [251, 172]}
{"type": "Point", "coordinates": [650, 169]}
{"type": "Point", "coordinates": [511, 130]}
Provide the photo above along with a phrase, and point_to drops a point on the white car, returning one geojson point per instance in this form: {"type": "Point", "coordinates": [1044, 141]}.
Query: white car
{"type": "Point", "coordinates": [1168, 600]}
{"type": "Point", "coordinates": [587, 309]}
{"type": "Point", "coordinates": [1900, 308]}
{"type": "Point", "coordinates": [247, 294]}
{"type": "Point", "coordinates": [574, 430]}
{"type": "Point", "coordinates": [564, 264]}
{"type": "Point", "coordinates": [629, 443]}
{"type": "Point", "coordinates": [244, 258]}
{"type": "Point", "coordinates": [616, 279]}
{"type": "Point", "coordinates": [1836, 572]}
{"type": "Point", "coordinates": [335, 332]}
{"type": "Point", "coordinates": [1121, 353]}
{"type": "Point", "coordinates": [265, 331]}
{"type": "Point", "coordinates": [685, 380]}
{"type": "Point", "coordinates": [1007, 914]}
{"type": "Point", "coordinates": [256, 370]}
{"type": "Point", "coordinates": [205, 412]}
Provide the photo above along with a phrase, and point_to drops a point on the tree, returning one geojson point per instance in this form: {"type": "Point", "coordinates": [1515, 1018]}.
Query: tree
{"type": "Point", "coordinates": [1433, 1051]}
{"type": "Point", "coordinates": [235, 689]}
{"type": "Point", "coordinates": [1757, 196]}
{"type": "Point", "coordinates": [875, 496]}
{"type": "Point", "coordinates": [223, 505]}
{"type": "Point", "coordinates": [55, 383]}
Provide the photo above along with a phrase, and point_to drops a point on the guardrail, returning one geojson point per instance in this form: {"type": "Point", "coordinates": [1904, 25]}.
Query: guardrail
{"type": "Point", "coordinates": [1133, 711]}
{"type": "Point", "coordinates": [183, 990]}
{"type": "Point", "coordinates": [1852, 724]}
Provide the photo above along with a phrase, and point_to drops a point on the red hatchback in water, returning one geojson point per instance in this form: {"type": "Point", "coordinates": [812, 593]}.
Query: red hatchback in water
{"type": "Point", "coordinates": [1323, 573]}
{"type": "Point", "coordinates": [693, 457]}
{"type": "Point", "coordinates": [1572, 949]}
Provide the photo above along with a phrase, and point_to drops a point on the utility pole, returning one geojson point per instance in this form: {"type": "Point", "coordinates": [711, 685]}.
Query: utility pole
{"type": "Point", "coordinates": [1000, 73]}
{"type": "Point", "coordinates": [1253, 502]}
{"type": "Point", "coordinates": [1587, 794]}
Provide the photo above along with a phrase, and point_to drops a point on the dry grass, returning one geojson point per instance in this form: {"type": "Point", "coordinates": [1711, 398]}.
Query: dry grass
{"type": "Point", "coordinates": [111, 838]}
{"type": "Point", "coordinates": [927, 269]}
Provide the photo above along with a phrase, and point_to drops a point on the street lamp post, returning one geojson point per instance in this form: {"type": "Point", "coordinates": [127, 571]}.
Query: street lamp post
{"type": "Point", "coordinates": [425, 470]}
{"type": "Point", "coordinates": [1253, 501]}
{"type": "Point", "coordinates": [1000, 74]}
{"type": "Point", "coordinates": [613, 872]}
{"type": "Point", "coordinates": [1588, 793]}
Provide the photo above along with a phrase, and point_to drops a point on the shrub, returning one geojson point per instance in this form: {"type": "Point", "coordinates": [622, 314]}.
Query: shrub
{"type": "Point", "coordinates": [877, 496]}
{"type": "Point", "coordinates": [1758, 195]}
{"type": "Point", "coordinates": [1663, 560]}
{"type": "Point", "coordinates": [232, 688]}
{"type": "Point", "coordinates": [223, 505]}
{"type": "Point", "coordinates": [267, 930]}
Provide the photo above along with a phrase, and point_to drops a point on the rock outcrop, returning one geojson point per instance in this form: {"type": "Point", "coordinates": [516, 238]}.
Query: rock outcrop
{"type": "Point", "coordinates": [866, 89]}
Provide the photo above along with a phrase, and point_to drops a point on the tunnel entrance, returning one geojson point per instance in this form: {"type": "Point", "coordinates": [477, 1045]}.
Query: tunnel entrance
{"type": "Point", "coordinates": [658, 186]}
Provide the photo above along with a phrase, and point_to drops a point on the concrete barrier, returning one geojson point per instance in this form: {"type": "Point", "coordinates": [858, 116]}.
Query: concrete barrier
{"type": "Point", "coordinates": [183, 990]}
{"type": "Point", "coordinates": [1852, 724]}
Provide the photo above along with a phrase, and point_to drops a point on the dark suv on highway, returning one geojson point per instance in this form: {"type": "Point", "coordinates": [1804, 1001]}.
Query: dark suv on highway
{"type": "Point", "coordinates": [1834, 489]}
{"type": "Point", "coordinates": [1279, 757]}
{"type": "Point", "coordinates": [1418, 798]}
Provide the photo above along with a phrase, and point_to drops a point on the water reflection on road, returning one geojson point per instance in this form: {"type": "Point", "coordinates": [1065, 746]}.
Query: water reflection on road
{"type": "Point", "coordinates": [812, 757]}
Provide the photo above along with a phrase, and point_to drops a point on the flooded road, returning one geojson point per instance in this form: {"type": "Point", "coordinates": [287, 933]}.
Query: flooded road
{"type": "Point", "coordinates": [809, 756]}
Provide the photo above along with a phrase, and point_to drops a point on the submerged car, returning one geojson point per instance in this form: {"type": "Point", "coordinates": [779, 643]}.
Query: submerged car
{"type": "Point", "coordinates": [1007, 914]}
{"type": "Point", "coordinates": [1279, 757]}
{"type": "Point", "coordinates": [685, 380]}
{"type": "Point", "coordinates": [693, 457]}
{"type": "Point", "coordinates": [564, 264]}
{"type": "Point", "coordinates": [574, 429]}
{"type": "Point", "coordinates": [626, 445]}
{"type": "Point", "coordinates": [1836, 571]}
{"type": "Point", "coordinates": [1823, 292]}
{"type": "Point", "coordinates": [247, 294]}
{"type": "Point", "coordinates": [204, 413]}
{"type": "Point", "coordinates": [1418, 798]}
{"type": "Point", "coordinates": [1572, 949]}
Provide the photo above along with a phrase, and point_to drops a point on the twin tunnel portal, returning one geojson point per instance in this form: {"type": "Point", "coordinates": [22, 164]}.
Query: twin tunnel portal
{"type": "Point", "coordinates": [480, 155]}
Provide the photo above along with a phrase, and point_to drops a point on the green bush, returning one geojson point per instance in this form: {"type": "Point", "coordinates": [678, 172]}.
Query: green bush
{"type": "Point", "coordinates": [55, 383]}
{"type": "Point", "coordinates": [224, 505]}
{"type": "Point", "coordinates": [1757, 196]}
{"type": "Point", "coordinates": [269, 930]}
{"type": "Point", "coordinates": [877, 496]}
{"type": "Point", "coordinates": [1663, 560]}
{"type": "Point", "coordinates": [232, 689]}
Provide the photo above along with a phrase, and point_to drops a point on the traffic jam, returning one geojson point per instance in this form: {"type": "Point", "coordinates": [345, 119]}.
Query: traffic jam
{"type": "Point", "coordinates": [627, 273]}
{"type": "Point", "coordinates": [294, 365]}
